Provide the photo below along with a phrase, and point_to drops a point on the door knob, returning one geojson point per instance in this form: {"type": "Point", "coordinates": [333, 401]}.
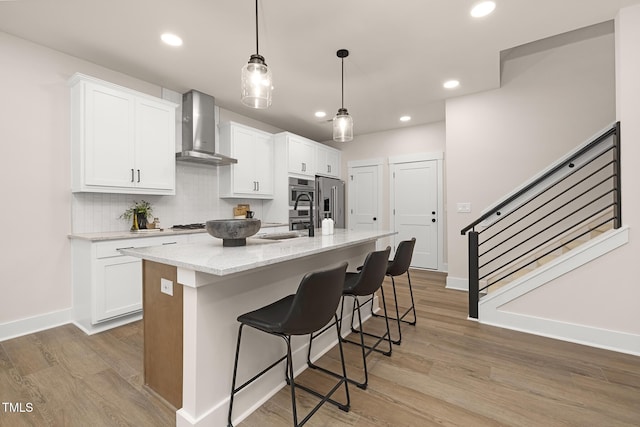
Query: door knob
{"type": "Point", "coordinates": [433, 220]}
{"type": "Point", "coordinates": [375, 219]}
{"type": "Point", "coordinates": [433, 212]}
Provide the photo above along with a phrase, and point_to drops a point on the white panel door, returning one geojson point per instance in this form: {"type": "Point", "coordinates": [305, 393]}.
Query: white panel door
{"type": "Point", "coordinates": [363, 198]}
{"type": "Point", "coordinates": [415, 209]}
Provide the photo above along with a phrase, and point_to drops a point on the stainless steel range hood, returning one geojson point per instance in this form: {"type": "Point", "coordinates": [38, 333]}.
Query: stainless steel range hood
{"type": "Point", "coordinates": [199, 131]}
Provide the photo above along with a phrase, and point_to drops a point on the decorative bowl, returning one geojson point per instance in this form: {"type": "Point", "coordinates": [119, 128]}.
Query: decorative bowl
{"type": "Point", "coordinates": [233, 232]}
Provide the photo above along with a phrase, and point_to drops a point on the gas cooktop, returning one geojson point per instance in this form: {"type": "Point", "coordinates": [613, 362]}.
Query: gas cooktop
{"type": "Point", "coordinates": [195, 226]}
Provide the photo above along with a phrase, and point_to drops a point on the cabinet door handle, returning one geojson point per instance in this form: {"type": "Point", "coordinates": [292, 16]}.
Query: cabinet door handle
{"type": "Point", "coordinates": [258, 188]}
{"type": "Point", "coordinates": [304, 167]}
{"type": "Point", "coordinates": [170, 243]}
{"type": "Point", "coordinates": [128, 247]}
{"type": "Point", "coordinates": [132, 175]}
{"type": "Point", "coordinates": [138, 175]}
{"type": "Point", "coordinates": [328, 168]}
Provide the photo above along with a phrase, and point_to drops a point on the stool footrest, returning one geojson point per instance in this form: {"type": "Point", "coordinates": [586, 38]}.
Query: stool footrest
{"type": "Point", "coordinates": [409, 310]}
{"type": "Point", "coordinates": [371, 347]}
{"type": "Point", "coordinates": [264, 371]}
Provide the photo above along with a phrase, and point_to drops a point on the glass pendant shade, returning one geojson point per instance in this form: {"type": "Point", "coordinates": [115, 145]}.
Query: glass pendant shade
{"type": "Point", "coordinates": [257, 84]}
{"type": "Point", "coordinates": [342, 126]}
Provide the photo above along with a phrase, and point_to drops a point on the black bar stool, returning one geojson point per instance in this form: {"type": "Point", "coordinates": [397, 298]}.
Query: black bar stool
{"type": "Point", "coordinates": [364, 283]}
{"type": "Point", "coordinates": [309, 310]}
{"type": "Point", "coordinates": [398, 266]}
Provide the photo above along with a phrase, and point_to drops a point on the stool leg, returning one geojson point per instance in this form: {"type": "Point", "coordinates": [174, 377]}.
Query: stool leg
{"type": "Point", "coordinates": [356, 305]}
{"type": "Point", "coordinates": [235, 372]}
{"type": "Point", "coordinates": [312, 335]}
{"type": "Point", "coordinates": [395, 297]}
{"type": "Point", "coordinates": [413, 305]}
{"type": "Point", "coordinates": [290, 381]}
{"type": "Point", "coordinates": [324, 397]}
{"type": "Point", "coordinates": [346, 406]}
{"type": "Point", "coordinates": [412, 308]}
{"type": "Point", "coordinates": [397, 318]}
{"type": "Point", "coordinates": [386, 321]}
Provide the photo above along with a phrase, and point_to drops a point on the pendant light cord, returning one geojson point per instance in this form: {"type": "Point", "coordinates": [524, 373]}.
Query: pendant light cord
{"type": "Point", "coordinates": [257, 51]}
{"type": "Point", "coordinates": [342, 59]}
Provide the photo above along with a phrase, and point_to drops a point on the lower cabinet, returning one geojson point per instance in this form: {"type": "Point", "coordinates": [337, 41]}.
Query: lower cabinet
{"type": "Point", "coordinates": [107, 286]}
{"type": "Point", "coordinates": [117, 291]}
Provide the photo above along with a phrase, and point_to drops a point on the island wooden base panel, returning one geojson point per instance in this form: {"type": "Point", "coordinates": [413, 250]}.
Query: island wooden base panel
{"type": "Point", "coordinates": [447, 371]}
{"type": "Point", "coordinates": [162, 332]}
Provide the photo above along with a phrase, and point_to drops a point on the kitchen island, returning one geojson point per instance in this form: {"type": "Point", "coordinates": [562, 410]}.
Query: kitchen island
{"type": "Point", "coordinates": [190, 335]}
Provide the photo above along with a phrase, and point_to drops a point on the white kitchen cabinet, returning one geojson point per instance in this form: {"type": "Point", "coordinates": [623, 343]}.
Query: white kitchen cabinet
{"type": "Point", "coordinates": [327, 161]}
{"type": "Point", "coordinates": [122, 141]}
{"type": "Point", "coordinates": [107, 286]}
{"type": "Point", "coordinates": [301, 154]}
{"type": "Point", "coordinates": [252, 176]}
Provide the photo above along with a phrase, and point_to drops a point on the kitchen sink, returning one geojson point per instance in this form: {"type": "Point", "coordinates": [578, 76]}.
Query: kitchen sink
{"type": "Point", "coordinates": [284, 236]}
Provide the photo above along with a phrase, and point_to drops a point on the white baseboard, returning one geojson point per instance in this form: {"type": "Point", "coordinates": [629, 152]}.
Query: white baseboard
{"type": "Point", "coordinates": [580, 334]}
{"type": "Point", "coordinates": [491, 309]}
{"type": "Point", "coordinates": [33, 324]}
{"type": "Point", "coordinates": [457, 283]}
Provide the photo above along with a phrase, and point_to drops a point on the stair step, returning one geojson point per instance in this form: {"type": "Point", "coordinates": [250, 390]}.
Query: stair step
{"type": "Point", "coordinates": [568, 245]}
{"type": "Point", "coordinates": [548, 258]}
{"type": "Point", "coordinates": [509, 279]}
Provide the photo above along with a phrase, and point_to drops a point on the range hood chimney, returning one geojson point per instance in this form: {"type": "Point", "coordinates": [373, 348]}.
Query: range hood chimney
{"type": "Point", "coordinates": [198, 131]}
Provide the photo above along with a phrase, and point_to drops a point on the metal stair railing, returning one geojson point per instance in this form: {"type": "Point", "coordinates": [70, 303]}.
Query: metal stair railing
{"type": "Point", "coordinates": [575, 197]}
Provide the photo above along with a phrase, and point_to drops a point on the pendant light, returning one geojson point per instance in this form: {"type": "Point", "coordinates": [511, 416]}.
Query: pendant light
{"type": "Point", "coordinates": [342, 122]}
{"type": "Point", "coordinates": [256, 84]}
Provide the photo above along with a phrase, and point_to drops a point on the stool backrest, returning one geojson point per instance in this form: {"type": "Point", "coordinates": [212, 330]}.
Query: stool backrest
{"type": "Point", "coordinates": [372, 273]}
{"type": "Point", "coordinates": [316, 300]}
{"type": "Point", "coordinates": [402, 259]}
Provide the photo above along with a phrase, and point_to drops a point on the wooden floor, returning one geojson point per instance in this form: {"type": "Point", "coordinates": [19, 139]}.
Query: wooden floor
{"type": "Point", "coordinates": [448, 371]}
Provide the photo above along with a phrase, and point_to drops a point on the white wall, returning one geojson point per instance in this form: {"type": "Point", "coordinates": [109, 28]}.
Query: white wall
{"type": "Point", "coordinates": [550, 101]}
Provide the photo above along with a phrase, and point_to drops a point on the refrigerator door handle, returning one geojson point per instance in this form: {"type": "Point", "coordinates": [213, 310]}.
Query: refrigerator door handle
{"type": "Point", "coordinates": [334, 202]}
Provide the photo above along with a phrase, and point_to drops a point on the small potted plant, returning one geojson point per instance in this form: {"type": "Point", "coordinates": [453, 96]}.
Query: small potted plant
{"type": "Point", "coordinates": [139, 212]}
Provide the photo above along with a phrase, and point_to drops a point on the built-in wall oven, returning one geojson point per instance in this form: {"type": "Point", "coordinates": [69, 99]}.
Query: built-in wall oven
{"type": "Point", "coordinates": [298, 186]}
{"type": "Point", "coordinates": [300, 218]}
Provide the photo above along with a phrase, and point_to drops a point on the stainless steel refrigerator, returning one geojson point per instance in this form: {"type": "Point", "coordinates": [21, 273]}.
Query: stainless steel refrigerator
{"type": "Point", "coordinates": [330, 201]}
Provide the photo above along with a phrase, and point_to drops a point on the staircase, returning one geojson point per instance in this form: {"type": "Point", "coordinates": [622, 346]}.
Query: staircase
{"type": "Point", "coordinates": [566, 210]}
{"type": "Point", "coordinates": [546, 254]}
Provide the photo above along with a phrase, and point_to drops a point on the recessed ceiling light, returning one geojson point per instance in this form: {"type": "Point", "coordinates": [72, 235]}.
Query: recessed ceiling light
{"type": "Point", "coordinates": [171, 39]}
{"type": "Point", "coordinates": [451, 84]}
{"type": "Point", "coordinates": [405, 118]}
{"type": "Point", "coordinates": [483, 9]}
{"type": "Point", "coordinates": [320, 114]}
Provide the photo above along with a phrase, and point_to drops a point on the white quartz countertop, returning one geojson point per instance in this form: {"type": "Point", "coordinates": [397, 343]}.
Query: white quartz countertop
{"type": "Point", "coordinates": [212, 258]}
{"type": "Point", "coordinates": [119, 235]}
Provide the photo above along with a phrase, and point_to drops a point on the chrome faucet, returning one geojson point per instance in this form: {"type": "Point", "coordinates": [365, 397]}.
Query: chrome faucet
{"type": "Point", "coordinates": [310, 199]}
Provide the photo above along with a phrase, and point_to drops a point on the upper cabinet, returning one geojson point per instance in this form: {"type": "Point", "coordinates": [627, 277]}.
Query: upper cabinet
{"type": "Point", "coordinates": [301, 154]}
{"type": "Point", "coordinates": [122, 141]}
{"type": "Point", "coordinates": [252, 176]}
{"type": "Point", "coordinates": [327, 161]}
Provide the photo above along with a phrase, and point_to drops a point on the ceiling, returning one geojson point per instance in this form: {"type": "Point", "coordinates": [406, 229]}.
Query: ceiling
{"type": "Point", "coordinates": [400, 51]}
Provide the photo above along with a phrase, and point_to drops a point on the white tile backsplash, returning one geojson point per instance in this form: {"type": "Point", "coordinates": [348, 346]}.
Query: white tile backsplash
{"type": "Point", "coordinates": [196, 200]}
